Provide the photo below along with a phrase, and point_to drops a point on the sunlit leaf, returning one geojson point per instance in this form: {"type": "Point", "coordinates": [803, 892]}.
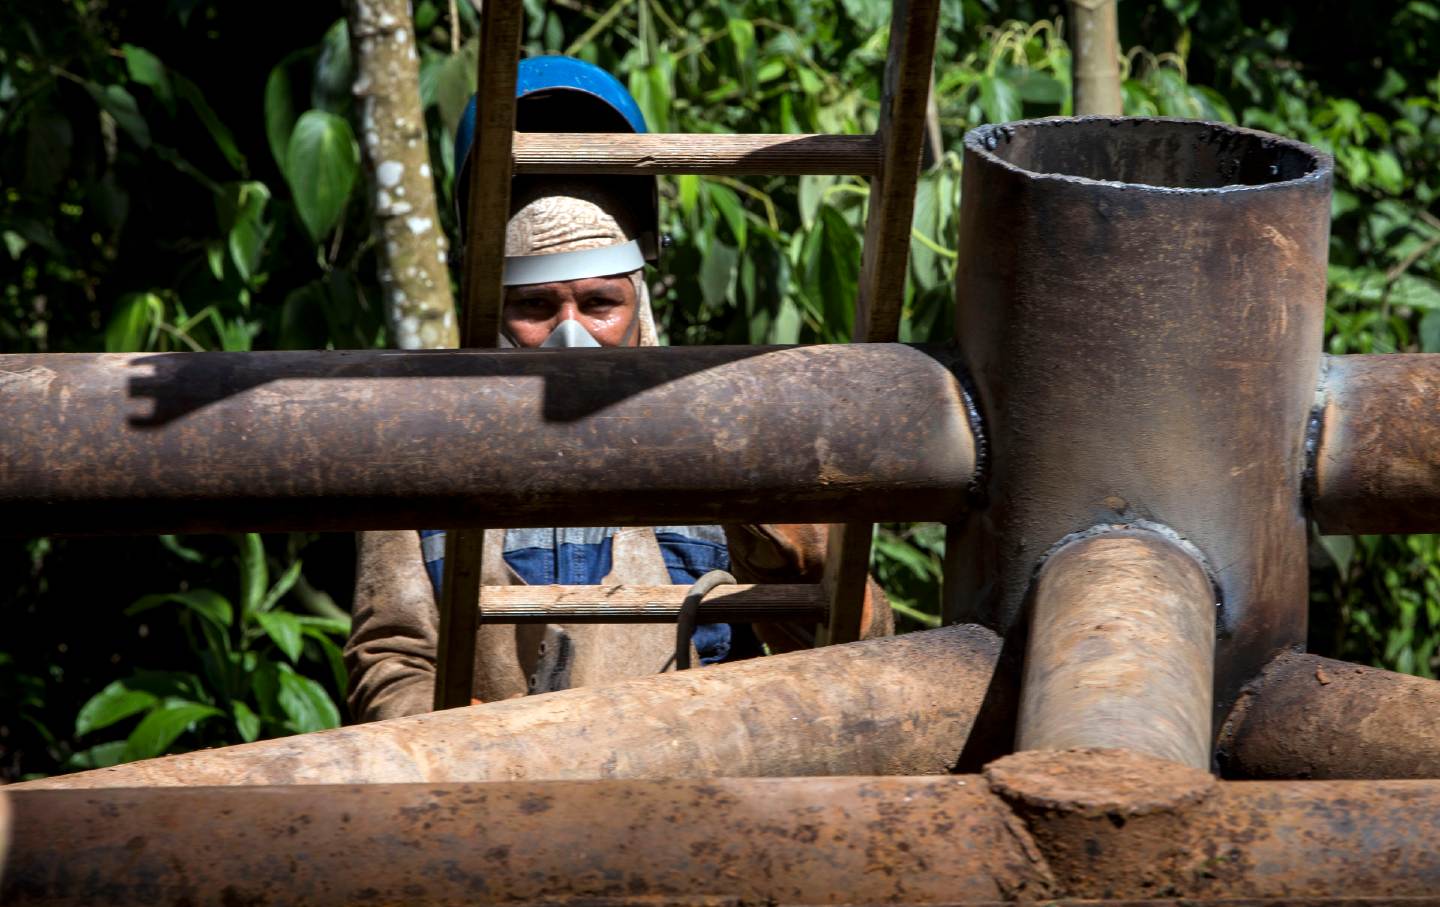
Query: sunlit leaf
{"type": "Point", "coordinates": [133, 323]}
{"type": "Point", "coordinates": [305, 702]}
{"type": "Point", "coordinates": [146, 69]}
{"type": "Point", "coordinates": [284, 630]}
{"type": "Point", "coordinates": [114, 703]}
{"type": "Point", "coordinates": [247, 723]}
{"type": "Point", "coordinates": [159, 729]}
{"type": "Point", "coordinates": [321, 164]}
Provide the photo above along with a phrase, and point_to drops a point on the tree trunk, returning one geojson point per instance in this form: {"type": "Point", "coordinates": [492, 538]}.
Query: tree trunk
{"type": "Point", "coordinates": [413, 273]}
{"type": "Point", "coordinates": [1095, 43]}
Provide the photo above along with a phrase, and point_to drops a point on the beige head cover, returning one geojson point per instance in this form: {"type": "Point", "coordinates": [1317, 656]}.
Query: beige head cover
{"type": "Point", "coordinates": [554, 216]}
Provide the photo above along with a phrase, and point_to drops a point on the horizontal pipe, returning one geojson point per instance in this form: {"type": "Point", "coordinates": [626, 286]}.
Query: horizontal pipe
{"type": "Point", "coordinates": [1312, 717]}
{"type": "Point", "coordinates": [1083, 824]}
{"type": "Point", "coordinates": [1375, 459]}
{"type": "Point", "coordinates": [824, 840]}
{"type": "Point", "coordinates": [764, 155]}
{"type": "Point", "coordinates": [900, 705]}
{"type": "Point", "coordinates": [741, 603]}
{"type": "Point", "coordinates": [1121, 649]}
{"type": "Point", "coordinates": [209, 442]}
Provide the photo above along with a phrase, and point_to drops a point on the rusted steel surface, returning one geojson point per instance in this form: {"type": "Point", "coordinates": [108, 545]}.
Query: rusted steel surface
{"type": "Point", "coordinates": [820, 841]}
{"type": "Point", "coordinates": [1312, 717]}
{"type": "Point", "coordinates": [202, 442]}
{"type": "Point", "coordinates": [1114, 824]}
{"type": "Point", "coordinates": [899, 705]}
{"type": "Point", "coordinates": [1084, 824]}
{"type": "Point", "coordinates": [1376, 458]}
{"type": "Point", "coordinates": [1121, 650]}
{"type": "Point", "coordinates": [1186, 305]}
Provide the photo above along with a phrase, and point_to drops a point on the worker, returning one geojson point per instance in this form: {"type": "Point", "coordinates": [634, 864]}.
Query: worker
{"type": "Point", "coordinates": [575, 253]}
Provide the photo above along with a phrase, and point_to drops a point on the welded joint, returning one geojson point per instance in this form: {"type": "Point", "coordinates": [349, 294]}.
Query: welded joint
{"type": "Point", "coordinates": [1314, 435]}
{"type": "Point", "coordinates": [969, 398]}
{"type": "Point", "coordinates": [1138, 525]}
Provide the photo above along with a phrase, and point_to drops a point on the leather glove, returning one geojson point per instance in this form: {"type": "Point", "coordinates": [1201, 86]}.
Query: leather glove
{"type": "Point", "coordinates": [795, 553]}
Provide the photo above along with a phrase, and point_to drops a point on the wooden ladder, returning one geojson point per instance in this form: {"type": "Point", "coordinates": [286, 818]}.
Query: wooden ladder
{"type": "Point", "coordinates": [890, 158]}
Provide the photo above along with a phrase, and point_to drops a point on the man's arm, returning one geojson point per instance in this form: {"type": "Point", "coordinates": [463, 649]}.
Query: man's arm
{"type": "Point", "coordinates": [795, 553]}
{"type": "Point", "coordinates": [390, 655]}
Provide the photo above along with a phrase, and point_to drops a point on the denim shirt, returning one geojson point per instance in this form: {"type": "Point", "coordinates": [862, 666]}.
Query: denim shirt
{"type": "Point", "coordinates": [582, 557]}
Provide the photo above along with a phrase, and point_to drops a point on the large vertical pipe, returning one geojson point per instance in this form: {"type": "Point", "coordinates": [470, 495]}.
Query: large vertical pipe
{"type": "Point", "coordinates": [1140, 303]}
{"type": "Point", "coordinates": [1121, 650]}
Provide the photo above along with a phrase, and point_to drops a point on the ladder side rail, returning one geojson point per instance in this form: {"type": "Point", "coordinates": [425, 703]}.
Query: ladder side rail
{"type": "Point", "coordinates": [885, 258]}
{"type": "Point", "coordinates": [488, 203]}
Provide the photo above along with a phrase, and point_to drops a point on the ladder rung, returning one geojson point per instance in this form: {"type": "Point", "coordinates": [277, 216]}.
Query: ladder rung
{"type": "Point", "coordinates": [771, 155]}
{"type": "Point", "coordinates": [631, 604]}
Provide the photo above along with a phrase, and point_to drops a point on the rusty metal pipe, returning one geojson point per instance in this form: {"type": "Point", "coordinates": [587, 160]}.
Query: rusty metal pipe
{"type": "Point", "coordinates": [200, 442]}
{"type": "Point", "coordinates": [1375, 461]}
{"type": "Point", "coordinates": [1121, 650]}
{"type": "Point", "coordinates": [823, 840]}
{"type": "Point", "coordinates": [1037, 826]}
{"type": "Point", "coordinates": [1115, 824]}
{"type": "Point", "coordinates": [1312, 717]}
{"type": "Point", "coordinates": [1179, 270]}
{"type": "Point", "coordinates": [902, 705]}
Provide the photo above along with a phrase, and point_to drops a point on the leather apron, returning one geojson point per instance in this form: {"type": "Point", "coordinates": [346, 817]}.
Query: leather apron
{"type": "Point", "coordinates": [515, 659]}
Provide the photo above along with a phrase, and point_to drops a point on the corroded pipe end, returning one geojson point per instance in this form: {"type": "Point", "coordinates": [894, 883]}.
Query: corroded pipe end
{"type": "Point", "coordinates": [1149, 154]}
{"type": "Point", "coordinates": [1109, 821]}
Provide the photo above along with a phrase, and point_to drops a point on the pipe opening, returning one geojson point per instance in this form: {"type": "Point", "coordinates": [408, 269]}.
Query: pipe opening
{"type": "Point", "coordinates": [1155, 153]}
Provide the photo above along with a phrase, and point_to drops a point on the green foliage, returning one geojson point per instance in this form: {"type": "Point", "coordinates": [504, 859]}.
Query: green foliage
{"type": "Point", "coordinates": [247, 684]}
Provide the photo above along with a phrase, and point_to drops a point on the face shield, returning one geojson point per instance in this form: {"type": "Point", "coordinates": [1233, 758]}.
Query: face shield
{"type": "Point", "coordinates": [572, 230]}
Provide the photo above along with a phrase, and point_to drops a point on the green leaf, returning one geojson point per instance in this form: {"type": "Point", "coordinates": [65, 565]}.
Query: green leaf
{"type": "Point", "coordinates": [321, 164]}
{"type": "Point", "coordinates": [280, 112]}
{"type": "Point", "coordinates": [742, 35]}
{"type": "Point", "coordinates": [219, 132]}
{"type": "Point", "coordinates": [120, 104]}
{"type": "Point", "coordinates": [333, 656]}
{"type": "Point", "coordinates": [146, 69]}
{"type": "Point", "coordinates": [242, 217]}
{"type": "Point", "coordinates": [717, 274]}
{"type": "Point", "coordinates": [282, 586]}
{"type": "Point", "coordinates": [173, 545]}
{"type": "Point", "coordinates": [335, 626]}
{"type": "Point", "coordinates": [284, 630]}
{"type": "Point", "coordinates": [131, 325]}
{"type": "Point", "coordinates": [999, 99]}
{"type": "Point", "coordinates": [159, 729]}
{"type": "Point", "coordinates": [101, 755]}
{"type": "Point", "coordinates": [832, 269]}
{"type": "Point", "coordinates": [333, 70]}
{"type": "Point", "coordinates": [207, 603]}
{"type": "Point", "coordinates": [254, 572]}
{"type": "Point", "coordinates": [114, 703]}
{"type": "Point", "coordinates": [305, 702]}
{"type": "Point", "coordinates": [247, 723]}
{"type": "Point", "coordinates": [728, 204]}
{"type": "Point", "coordinates": [454, 84]}
{"type": "Point", "coordinates": [1430, 332]}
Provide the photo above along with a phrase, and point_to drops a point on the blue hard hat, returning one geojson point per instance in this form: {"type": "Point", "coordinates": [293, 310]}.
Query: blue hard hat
{"type": "Point", "coordinates": [563, 94]}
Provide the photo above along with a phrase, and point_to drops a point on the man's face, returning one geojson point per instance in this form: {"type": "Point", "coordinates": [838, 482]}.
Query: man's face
{"type": "Point", "coordinates": [604, 306]}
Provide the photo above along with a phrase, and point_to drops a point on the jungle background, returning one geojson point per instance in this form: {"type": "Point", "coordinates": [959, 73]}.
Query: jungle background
{"type": "Point", "coordinates": [184, 175]}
